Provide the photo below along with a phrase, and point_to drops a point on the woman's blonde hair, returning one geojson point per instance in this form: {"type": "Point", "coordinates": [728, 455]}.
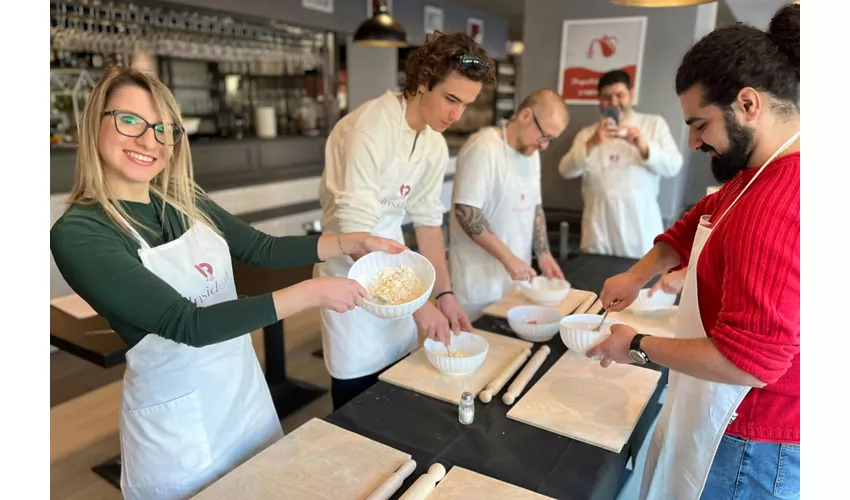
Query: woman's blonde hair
{"type": "Point", "coordinates": [174, 185]}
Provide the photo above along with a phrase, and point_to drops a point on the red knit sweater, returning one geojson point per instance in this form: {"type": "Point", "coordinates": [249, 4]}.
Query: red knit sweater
{"type": "Point", "coordinates": [748, 283]}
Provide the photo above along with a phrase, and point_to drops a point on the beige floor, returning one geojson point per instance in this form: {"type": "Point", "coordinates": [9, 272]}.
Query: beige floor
{"type": "Point", "coordinates": [85, 401]}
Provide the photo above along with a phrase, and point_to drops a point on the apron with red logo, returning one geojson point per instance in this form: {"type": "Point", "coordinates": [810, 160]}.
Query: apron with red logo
{"type": "Point", "coordinates": [190, 415]}
{"type": "Point", "coordinates": [356, 343]}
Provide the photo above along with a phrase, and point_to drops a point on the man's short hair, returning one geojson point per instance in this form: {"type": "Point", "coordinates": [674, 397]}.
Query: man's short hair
{"type": "Point", "coordinates": [544, 98]}
{"type": "Point", "coordinates": [614, 77]}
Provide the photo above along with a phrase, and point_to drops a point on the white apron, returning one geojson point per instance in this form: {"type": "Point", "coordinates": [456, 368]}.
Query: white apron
{"type": "Point", "coordinates": [478, 278]}
{"type": "Point", "coordinates": [190, 415]}
{"type": "Point", "coordinates": [621, 214]}
{"type": "Point", "coordinates": [696, 412]}
{"type": "Point", "coordinates": [356, 343]}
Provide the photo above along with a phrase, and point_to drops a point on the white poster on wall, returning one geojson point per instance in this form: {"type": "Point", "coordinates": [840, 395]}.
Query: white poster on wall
{"type": "Point", "coordinates": [433, 19]}
{"type": "Point", "coordinates": [592, 47]}
{"type": "Point", "coordinates": [475, 29]}
{"type": "Point", "coordinates": [326, 6]}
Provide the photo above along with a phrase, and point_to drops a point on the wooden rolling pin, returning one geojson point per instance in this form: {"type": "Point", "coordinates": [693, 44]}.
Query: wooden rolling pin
{"type": "Point", "coordinates": [497, 383]}
{"type": "Point", "coordinates": [425, 484]}
{"type": "Point", "coordinates": [590, 306]}
{"type": "Point", "coordinates": [393, 483]}
{"type": "Point", "coordinates": [525, 375]}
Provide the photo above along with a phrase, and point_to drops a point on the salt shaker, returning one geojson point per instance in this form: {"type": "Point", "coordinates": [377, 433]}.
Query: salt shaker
{"type": "Point", "coordinates": [564, 242]}
{"type": "Point", "coordinates": [466, 408]}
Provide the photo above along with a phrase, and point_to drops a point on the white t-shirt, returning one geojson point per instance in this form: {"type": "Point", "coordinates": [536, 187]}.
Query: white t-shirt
{"type": "Point", "coordinates": [361, 149]}
{"type": "Point", "coordinates": [489, 179]}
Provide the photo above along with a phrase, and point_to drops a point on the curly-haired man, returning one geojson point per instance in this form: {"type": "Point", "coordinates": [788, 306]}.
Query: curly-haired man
{"type": "Point", "coordinates": [383, 161]}
{"type": "Point", "coordinates": [730, 426]}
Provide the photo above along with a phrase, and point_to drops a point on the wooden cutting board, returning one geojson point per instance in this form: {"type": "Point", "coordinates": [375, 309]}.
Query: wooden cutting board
{"type": "Point", "coordinates": [658, 323]}
{"type": "Point", "coordinates": [317, 461]}
{"type": "Point", "coordinates": [417, 374]}
{"type": "Point", "coordinates": [574, 300]}
{"type": "Point", "coordinates": [579, 399]}
{"type": "Point", "coordinates": [463, 484]}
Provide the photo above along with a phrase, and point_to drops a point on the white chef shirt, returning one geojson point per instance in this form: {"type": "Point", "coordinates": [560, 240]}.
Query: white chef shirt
{"type": "Point", "coordinates": [621, 214]}
{"type": "Point", "coordinates": [361, 149]}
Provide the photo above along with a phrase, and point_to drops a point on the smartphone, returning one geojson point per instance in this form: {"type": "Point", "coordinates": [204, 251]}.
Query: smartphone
{"type": "Point", "coordinates": [613, 113]}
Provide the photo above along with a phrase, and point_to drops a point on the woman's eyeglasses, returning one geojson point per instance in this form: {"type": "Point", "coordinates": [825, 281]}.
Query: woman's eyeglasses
{"type": "Point", "coordinates": [132, 125]}
{"type": "Point", "coordinates": [473, 63]}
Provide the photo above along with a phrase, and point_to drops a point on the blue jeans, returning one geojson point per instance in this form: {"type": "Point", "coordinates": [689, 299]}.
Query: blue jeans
{"type": "Point", "coordinates": [744, 469]}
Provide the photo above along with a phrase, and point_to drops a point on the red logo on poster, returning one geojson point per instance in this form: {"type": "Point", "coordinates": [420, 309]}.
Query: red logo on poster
{"type": "Point", "coordinates": [607, 44]}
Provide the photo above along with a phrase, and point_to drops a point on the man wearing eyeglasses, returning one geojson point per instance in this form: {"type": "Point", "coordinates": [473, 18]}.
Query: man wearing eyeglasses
{"type": "Point", "coordinates": [497, 213]}
{"type": "Point", "coordinates": [621, 160]}
{"type": "Point", "coordinates": [383, 161]}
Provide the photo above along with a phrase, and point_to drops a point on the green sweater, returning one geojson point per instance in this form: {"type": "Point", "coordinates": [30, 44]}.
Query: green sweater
{"type": "Point", "coordinates": [101, 263]}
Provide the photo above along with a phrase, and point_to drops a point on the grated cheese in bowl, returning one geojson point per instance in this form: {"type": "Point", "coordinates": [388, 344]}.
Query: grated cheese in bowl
{"type": "Point", "coordinates": [396, 285]}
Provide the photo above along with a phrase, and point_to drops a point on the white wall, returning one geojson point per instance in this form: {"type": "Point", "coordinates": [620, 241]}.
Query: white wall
{"type": "Point", "coordinates": [371, 72]}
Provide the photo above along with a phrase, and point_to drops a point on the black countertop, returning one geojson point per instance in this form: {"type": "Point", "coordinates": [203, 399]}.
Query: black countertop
{"type": "Point", "coordinates": [494, 445]}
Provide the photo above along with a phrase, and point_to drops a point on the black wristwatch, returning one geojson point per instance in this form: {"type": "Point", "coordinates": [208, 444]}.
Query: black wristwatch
{"type": "Point", "coordinates": [635, 352]}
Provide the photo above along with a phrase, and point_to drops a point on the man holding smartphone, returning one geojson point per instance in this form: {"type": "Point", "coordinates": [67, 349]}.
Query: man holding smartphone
{"type": "Point", "coordinates": [621, 160]}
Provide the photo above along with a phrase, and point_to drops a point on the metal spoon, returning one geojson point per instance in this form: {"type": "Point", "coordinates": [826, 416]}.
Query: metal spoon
{"type": "Point", "coordinates": [605, 315]}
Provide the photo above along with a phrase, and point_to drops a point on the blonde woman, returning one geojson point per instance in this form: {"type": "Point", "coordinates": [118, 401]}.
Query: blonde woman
{"type": "Point", "coordinates": [152, 254]}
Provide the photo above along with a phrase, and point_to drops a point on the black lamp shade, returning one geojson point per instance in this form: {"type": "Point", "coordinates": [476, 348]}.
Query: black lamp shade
{"type": "Point", "coordinates": [381, 30]}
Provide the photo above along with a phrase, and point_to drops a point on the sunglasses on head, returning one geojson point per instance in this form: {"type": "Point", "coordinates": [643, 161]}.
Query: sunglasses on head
{"type": "Point", "coordinates": [473, 63]}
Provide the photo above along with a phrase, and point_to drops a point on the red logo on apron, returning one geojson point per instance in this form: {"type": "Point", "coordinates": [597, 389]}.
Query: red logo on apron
{"type": "Point", "coordinates": [404, 190]}
{"type": "Point", "coordinates": [206, 270]}
{"type": "Point", "coordinates": [522, 196]}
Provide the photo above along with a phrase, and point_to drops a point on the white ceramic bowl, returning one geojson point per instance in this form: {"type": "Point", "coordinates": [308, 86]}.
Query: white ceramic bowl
{"type": "Point", "coordinates": [366, 268]}
{"type": "Point", "coordinates": [545, 292]}
{"type": "Point", "coordinates": [659, 301]}
{"type": "Point", "coordinates": [545, 326]}
{"type": "Point", "coordinates": [473, 347]}
{"type": "Point", "coordinates": [577, 335]}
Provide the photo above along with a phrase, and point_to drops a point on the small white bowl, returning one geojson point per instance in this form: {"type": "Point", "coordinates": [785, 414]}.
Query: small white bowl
{"type": "Point", "coordinates": [659, 301]}
{"type": "Point", "coordinates": [545, 322]}
{"type": "Point", "coordinates": [473, 347]}
{"type": "Point", "coordinates": [544, 291]}
{"type": "Point", "coordinates": [366, 268]}
{"type": "Point", "coordinates": [577, 334]}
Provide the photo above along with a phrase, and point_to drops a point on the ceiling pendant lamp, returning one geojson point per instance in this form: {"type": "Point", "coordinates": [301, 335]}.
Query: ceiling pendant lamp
{"type": "Point", "coordinates": [381, 30]}
{"type": "Point", "coordinates": [660, 3]}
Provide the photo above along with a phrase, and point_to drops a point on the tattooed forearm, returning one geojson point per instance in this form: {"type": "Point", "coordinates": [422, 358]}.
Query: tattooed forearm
{"type": "Point", "coordinates": [541, 235]}
{"type": "Point", "coordinates": [472, 220]}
